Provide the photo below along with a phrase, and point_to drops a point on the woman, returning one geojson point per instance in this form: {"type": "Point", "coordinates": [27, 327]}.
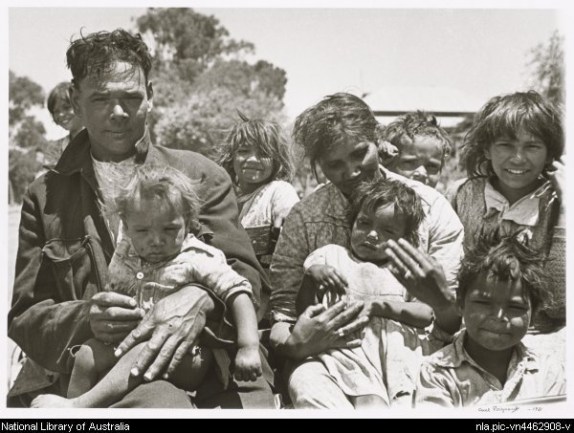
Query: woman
{"type": "Point", "coordinates": [338, 134]}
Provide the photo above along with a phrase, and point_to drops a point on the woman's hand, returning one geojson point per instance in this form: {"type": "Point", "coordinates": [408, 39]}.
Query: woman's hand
{"type": "Point", "coordinates": [424, 279]}
{"type": "Point", "coordinates": [420, 273]}
{"type": "Point", "coordinates": [112, 316]}
{"type": "Point", "coordinates": [319, 329]}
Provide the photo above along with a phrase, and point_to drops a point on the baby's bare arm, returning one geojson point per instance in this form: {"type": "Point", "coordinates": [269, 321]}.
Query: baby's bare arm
{"type": "Point", "coordinates": [247, 360]}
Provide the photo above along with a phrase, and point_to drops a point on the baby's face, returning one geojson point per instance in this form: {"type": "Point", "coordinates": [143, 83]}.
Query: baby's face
{"type": "Point", "coordinates": [155, 230]}
{"type": "Point", "coordinates": [372, 230]}
{"type": "Point", "coordinates": [420, 159]}
{"type": "Point", "coordinates": [496, 313]}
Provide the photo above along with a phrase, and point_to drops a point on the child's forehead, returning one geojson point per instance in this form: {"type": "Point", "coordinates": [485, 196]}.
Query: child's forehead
{"type": "Point", "coordinates": [490, 285]}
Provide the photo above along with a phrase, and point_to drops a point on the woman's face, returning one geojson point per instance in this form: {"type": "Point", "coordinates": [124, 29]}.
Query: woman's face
{"type": "Point", "coordinates": [517, 163]}
{"type": "Point", "coordinates": [348, 163]}
{"type": "Point", "coordinates": [252, 169]}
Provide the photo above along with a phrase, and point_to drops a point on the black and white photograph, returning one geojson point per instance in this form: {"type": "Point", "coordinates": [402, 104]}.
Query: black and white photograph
{"type": "Point", "coordinates": [335, 210]}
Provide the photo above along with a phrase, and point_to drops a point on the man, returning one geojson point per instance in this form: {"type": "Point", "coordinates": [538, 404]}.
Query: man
{"type": "Point", "coordinates": [67, 240]}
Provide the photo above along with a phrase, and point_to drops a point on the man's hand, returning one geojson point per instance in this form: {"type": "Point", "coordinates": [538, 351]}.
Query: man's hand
{"type": "Point", "coordinates": [329, 281]}
{"type": "Point", "coordinates": [173, 324]}
{"type": "Point", "coordinates": [112, 316]}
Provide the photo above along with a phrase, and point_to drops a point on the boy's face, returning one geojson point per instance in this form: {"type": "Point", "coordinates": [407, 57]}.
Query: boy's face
{"type": "Point", "coordinates": [155, 230]}
{"type": "Point", "coordinates": [419, 159]}
{"type": "Point", "coordinates": [496, 313]}
{"type": "Point", "coordinates": [372, 230]}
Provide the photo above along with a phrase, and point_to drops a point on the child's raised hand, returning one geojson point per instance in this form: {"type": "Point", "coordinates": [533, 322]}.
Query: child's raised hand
{"type": "Point", "coordinates": [558, 176]}
{"type": "Point", "coordinates": [247, 364]}
{"type": "Point", "coordinates": [329, 280]}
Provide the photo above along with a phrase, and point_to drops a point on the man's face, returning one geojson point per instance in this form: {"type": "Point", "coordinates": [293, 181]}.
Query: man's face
{"type": "Point", "coordinates": [113, 107]}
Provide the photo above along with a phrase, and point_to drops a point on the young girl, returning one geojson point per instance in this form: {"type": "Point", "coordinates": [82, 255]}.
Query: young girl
{"type": "Point", "coordinates": [258, 158]}
{"type": "Point", "coordinates": [382, 370]}
{"type": "Point", "coordinates": [421, 147]}
{"type": "Point", "coordinates": [500, 286]}
{"type": "Point", "coordinates": [512, 156]}
{"type": "Point", "coordinates": [63, 115]}
{"type": "Point", "coordinates": [159, 251]}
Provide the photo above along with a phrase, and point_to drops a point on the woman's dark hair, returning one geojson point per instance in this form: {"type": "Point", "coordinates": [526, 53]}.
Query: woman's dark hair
{"type": "Point", "coordinates": [334, 120]}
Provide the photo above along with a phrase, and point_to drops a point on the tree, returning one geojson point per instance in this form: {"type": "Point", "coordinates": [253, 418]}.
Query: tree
{"type": "Point", "coordinates": [201, 80]}
{"type": "Point", "coordinates": [26, 133]}
{"type": "Point", "coordinates": [24, 94]}
{"type": "Point", "coordinates": [546, 62]}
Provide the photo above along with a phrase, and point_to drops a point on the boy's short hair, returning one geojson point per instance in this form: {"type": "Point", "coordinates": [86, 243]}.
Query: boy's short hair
{"type": "Point", "coordinates": [375, 194]}
{"type": "Point", "coordinates": [165, 184]}
{"type": "Point", "coordinates": [58, 93]}
{"type": "Point", "coordinates": [268, 137]}
{"type": "Point", "coordinates": [507, 258]}
{"type": "Point", "coordinates": [413, 124]}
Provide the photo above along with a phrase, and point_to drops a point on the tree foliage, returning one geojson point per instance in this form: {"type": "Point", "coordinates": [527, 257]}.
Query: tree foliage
{"type": "Point", "coordinates": [24, 94]}
{"type": "Point", "coordinates": [546, 62]}
{"type": "Point", "coordinates": [201, 80]}
{"type": "Point", "coordinates": [26, 133]}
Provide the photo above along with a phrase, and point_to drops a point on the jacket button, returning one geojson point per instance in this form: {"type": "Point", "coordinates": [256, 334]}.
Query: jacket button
{"type": "Point", "coordinates": [139, 275]}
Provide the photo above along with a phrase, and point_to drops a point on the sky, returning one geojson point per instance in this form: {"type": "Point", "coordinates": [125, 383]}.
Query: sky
{"type": "Point", "coordinates": [476, 53]}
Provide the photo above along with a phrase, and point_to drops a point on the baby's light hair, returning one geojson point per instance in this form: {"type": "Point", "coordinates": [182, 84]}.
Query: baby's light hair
{"type": "Point", "coordinates": [170, 187]}
{"type": "Point", "coordinates": [378, 193]}
{"type": "Point", "coordinates": [267, 137]}
{"type": "Point", "coordinates": [411, 125]}
{"type": "Point", "coordinates": [504, 116]}
{"type": "Point", "coordinates": [507, 258]}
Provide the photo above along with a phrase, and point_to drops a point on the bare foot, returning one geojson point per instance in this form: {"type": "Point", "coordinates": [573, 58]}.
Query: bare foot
{"type": "Point", "coordinates": [51, 400]}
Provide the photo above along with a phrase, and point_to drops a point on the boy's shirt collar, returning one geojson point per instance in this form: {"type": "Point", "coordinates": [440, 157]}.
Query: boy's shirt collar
{"type": "Point", "coordinates": [455, 355]}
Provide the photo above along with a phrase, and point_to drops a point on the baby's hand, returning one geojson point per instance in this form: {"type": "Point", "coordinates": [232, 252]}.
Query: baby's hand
{"type": "Point", "coordinates": [329, 281]}
{"type": "Point", "coordinates": [247, 364]}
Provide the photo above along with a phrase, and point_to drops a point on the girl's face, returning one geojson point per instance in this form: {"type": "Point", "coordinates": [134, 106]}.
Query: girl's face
{"type": "Point", "coordinates": [348, 163]}
{"type": "Point", "coordinates": [517, 163]}
{"type": "Point", "coordinates": [372, 230]}
{"type": "Point", "coordinates": [252, 169]}
{"type": "Point", "coordinates": [156, 231]}
{"type": "Point", "coordinates": [496, 313]}
{"type": "Point", "coordinates": [420, 159]}
{"type": "Point", "coordinates": [64, 115]}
